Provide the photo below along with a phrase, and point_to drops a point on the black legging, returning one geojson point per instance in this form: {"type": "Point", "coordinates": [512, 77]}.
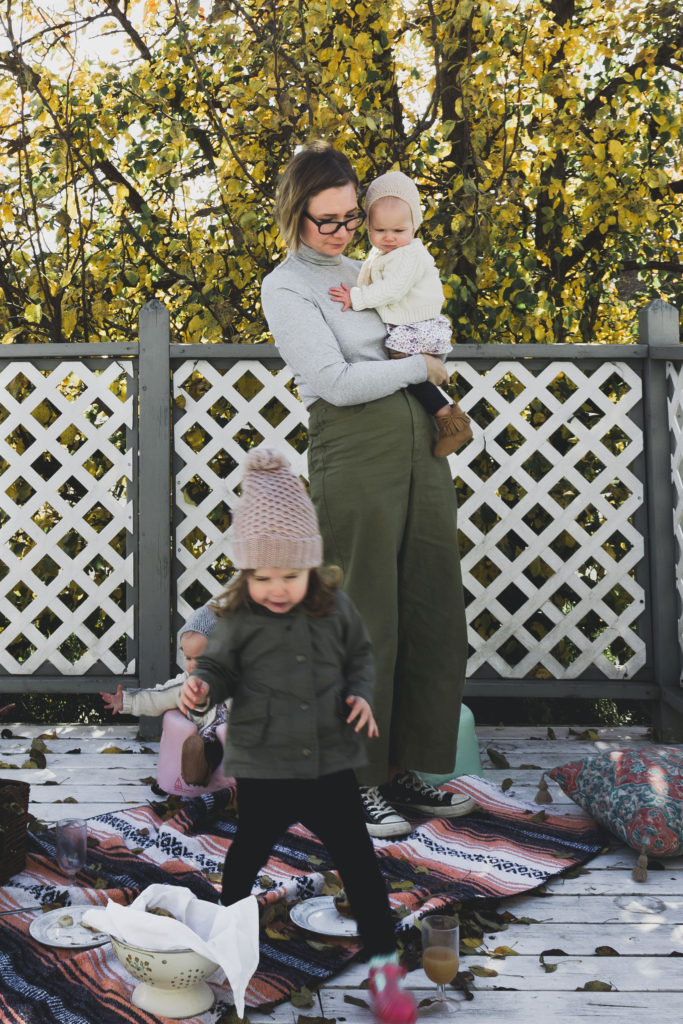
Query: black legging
{"type": "Point", "coordinates": [331, 808]}
{"type": "Point", "coordinates": [429, 396]}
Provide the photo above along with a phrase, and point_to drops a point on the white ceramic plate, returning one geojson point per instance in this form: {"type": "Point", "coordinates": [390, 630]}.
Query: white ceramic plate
{"type": "Point", "coordinates": [50, 932]}
{"type": "Point", "coordinates": [320, 915]}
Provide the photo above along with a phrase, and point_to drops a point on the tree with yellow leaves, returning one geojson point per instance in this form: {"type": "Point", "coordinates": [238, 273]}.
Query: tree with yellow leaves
{"type": "Point", "coordinates": [546, 138]}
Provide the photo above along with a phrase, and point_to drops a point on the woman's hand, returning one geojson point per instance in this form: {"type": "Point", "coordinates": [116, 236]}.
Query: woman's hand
{"type": "Point", "coordinates": [361, 713]}
{"type": "Point", "coordinates": [436, 371]}
{"type": "Point", "coordinates": [342, 294]}
{"type": "Point", "coordinates": [194, 692]}
{"type": "Point", "coordinates": [113, 701]}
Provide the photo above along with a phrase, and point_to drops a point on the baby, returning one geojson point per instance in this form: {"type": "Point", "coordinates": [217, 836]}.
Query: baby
{"type": "Point", "coordinates": [401, 281]}
{"type": "Point", "coordinates": [202, 752]}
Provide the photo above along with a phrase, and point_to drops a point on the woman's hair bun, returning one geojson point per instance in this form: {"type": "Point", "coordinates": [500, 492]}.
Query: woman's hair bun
{"type": "Point", "coordinates": [265, 460]}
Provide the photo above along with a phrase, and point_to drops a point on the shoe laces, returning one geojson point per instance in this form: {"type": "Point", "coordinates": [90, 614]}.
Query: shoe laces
{"type": "Point", "coordinates": [414, 782]}
{"type": "Point", "coordinates": [374, 801]}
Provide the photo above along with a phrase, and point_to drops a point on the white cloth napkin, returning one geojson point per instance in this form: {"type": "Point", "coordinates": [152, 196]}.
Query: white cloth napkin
{"type": "Point", "coordinates": [227, 935]}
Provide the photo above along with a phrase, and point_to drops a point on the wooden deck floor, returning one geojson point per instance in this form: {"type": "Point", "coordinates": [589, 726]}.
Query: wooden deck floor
{"type": "Point", "coordinates": [105, 767]}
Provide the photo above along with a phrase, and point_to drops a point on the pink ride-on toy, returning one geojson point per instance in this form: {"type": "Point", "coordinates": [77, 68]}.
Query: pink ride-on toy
{"type": "Point", "coordinates": [175, 730]}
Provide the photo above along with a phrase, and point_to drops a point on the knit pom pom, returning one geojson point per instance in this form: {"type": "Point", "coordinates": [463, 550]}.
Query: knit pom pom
{"type": "Point", "coordinates": [543, 796]}
{"type": "Point", "coordinates": [265, 460]}
{"type": "Point", "coordinates": [639, 873]}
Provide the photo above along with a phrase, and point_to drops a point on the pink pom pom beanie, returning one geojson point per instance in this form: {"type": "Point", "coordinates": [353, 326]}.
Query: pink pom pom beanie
{"type": "Point", "coordinates": [274, 524]}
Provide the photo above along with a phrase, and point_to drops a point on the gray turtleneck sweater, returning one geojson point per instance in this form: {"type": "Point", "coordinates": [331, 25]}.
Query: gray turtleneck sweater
{"type": "Point", "coordinates": [337, 356]}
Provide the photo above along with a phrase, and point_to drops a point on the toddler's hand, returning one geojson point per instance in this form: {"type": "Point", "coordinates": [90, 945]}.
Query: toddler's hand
{"type": "Point", "coordinates": [361, 713]}
{"type": "Point", "coordinates": [194, 692]}
{"type": "Point", "coordinates": [342, 294]}
{"type": "Point", "coordinates": [113, 701]}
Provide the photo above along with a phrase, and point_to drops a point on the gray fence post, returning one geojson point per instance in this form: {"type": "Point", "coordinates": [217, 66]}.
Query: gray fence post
{"type": "Point", "coordinates": [658, 326]}
{"type": "Point", "coordinates": [154, 503]}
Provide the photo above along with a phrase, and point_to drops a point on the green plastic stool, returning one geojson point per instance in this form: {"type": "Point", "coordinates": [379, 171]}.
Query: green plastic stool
{"type": "Point", "coordinates": [468, 761]}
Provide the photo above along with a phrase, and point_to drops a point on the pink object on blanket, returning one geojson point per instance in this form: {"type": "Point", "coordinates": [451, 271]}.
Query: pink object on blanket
{"type": "Point", "coordinates": [175, 730]}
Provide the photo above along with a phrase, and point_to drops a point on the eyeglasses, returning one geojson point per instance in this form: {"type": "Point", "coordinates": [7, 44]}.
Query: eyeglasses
{"type": "Point", "coordinates": [331, 227]}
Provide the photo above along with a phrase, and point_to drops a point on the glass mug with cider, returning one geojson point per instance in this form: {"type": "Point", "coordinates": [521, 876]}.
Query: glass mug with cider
{"type": "Point", "coordinates": [441, 957]}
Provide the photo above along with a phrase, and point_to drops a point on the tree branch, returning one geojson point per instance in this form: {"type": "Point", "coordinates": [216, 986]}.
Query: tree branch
{"type": "Point", "coordinates": [129, 29]}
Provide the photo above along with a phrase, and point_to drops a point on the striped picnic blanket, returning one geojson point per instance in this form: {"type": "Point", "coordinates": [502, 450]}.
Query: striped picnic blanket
{"type": "Point", "coordinates": [500, 850]}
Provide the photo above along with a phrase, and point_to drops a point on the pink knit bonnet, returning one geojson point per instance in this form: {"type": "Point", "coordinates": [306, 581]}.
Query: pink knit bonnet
{"type": "Point", "coordinates": [274, 524]}
{"type": "Point", "coordinates": [398, 185]}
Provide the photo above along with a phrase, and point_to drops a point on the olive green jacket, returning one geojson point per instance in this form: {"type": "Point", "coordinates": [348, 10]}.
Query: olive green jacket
{"type": "Point", "coordinates": [288, 676]}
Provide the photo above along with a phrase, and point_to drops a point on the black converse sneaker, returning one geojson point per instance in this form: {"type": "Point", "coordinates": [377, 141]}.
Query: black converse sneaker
{"type": "Point", "coordinates": [408, 791]}
{"type": "Point", "coordinates": [382, 820]}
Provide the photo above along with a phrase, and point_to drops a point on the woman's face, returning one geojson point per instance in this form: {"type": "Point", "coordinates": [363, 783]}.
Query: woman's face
{"type": "Point", "coordinates": [336, 204]}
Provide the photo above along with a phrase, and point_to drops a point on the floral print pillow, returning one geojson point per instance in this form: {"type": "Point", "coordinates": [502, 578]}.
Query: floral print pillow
{"type": "Point", "coordinates": [636, 793]}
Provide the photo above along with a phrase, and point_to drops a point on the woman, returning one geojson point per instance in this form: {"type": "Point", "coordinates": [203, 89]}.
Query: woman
{"type": "Point", "coordinates": [386, 505]}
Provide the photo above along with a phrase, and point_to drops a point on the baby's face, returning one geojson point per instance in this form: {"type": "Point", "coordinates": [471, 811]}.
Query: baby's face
{"type": "Point", "coordinates": [390, 224]}
{"type": "Point", "coordinates": [192, 645]}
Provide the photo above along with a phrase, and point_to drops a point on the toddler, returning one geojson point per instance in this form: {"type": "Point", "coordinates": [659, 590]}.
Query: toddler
{"type": "Point", "coordinates": [292, 652]}
{"type": "Point", "coordinates": [401, 281]}
{"type": "Point", "coordinates": [202, 752]}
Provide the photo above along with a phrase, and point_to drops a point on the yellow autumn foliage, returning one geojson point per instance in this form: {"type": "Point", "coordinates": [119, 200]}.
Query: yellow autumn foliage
{"type": "Point", "coordinates": [139, 159]}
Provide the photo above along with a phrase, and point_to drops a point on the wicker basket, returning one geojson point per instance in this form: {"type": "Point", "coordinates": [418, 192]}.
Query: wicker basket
{"type": "Point", "coordinates": [13, 822]}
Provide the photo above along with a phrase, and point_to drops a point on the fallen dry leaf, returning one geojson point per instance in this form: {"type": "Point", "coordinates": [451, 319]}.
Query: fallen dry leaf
{"type": "Point", "coordinates": [482, 972]}
{"type": "Point", "coordinates": [331, 884]}
{"type": "Point", "coordinates": [302, 998]}
{"type": "Point", "coordinates": [497, 759]}
{"type": "Point", "coordinates": [319, 947]}
{"type": "Point", "coordinates": [500, 952]}
{"type": "Point", "coordinates": [549, 968]}
{"type": "Point", "coordinates": [461, 983]}
{"type": "Point", "coordinates": [587, 734]}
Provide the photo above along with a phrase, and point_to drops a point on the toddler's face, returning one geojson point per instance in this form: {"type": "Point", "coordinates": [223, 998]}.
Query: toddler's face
{"type": "Point", "coordinates": [390, 224]}
{"type": "Point", "coordinates": [192, 645]}
{"type": "Point", "coordinates": [278, 590]}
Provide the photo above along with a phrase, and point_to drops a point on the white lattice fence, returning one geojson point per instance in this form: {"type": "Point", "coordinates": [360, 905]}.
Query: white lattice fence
{"type": "Point", "coordinates": [65, 510]}
{"type": "Point", "coordinates": [224, 412]}
{"type": "Point", "coordinates": [552, 545]}
{"type": "Point", "coordinates": [675, 377]}
{"type": "Point", "coordinates": [547, 503]}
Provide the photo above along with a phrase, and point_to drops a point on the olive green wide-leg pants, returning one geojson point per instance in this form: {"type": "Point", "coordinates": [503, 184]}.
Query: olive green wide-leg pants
{"type": "Point", "coordinates": [388, 511]}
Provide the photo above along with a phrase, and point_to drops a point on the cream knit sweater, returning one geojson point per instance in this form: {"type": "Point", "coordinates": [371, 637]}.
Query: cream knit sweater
{"type": "Point", "coordinates": [403, 286]}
